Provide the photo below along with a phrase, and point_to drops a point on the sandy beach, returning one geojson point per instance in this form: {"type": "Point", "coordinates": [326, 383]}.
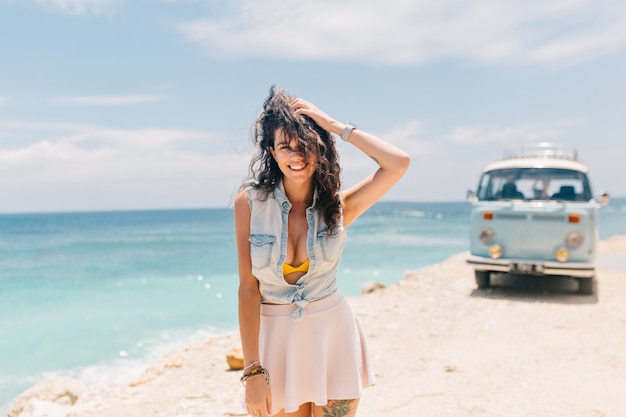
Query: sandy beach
{"type": "Point", "coordinates": [526, 347]}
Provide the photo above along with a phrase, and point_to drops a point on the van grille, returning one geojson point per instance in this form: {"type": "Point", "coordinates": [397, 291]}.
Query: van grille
{"type": "Point", "coordinates": [539, 217]}
{"type": "Point", "coordinates": [548, 218]}
{"type": "Point", "coordinates": [510, 216]}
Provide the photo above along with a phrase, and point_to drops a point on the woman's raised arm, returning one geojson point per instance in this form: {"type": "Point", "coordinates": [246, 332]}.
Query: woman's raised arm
{"type": "Point", "coordinates": [392, 162]}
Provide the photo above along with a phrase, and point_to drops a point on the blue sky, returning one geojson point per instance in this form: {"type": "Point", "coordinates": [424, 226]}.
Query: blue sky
{"type": "Point", "coordinates": [120, 104]}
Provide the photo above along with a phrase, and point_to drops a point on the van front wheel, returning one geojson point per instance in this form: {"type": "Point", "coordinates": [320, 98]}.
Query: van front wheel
{"type": "Point", "coordinates": [585, 285]}
{"type": "Point", "coordinates": [482, 279]}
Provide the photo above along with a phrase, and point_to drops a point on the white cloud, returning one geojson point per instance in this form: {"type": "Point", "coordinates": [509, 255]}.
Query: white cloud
{"type": "Point", "coordinates": [410, 138]}
{"type": "Point", "coordinates": [392, 32]}
{"type": "Point", "coordinates": [79, 7]}
{"type": "Point", "coordinates": [108, 165]}
{"type": "Point", "coordinates": [476, 135]}
{"type": "Point", "coordinates": [108, 100]}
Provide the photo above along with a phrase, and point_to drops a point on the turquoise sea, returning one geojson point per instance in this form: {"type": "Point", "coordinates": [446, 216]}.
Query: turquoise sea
{"type": "Point", "coordinates": [99, 295]}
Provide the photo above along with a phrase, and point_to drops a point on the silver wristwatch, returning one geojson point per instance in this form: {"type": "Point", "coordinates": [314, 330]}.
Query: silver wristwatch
{"type": "Point", "coordinates": [345, 135]}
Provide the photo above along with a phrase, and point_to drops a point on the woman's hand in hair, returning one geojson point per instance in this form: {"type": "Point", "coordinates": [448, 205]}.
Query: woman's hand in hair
{"type": "Point", "coordinates": [303, 107]}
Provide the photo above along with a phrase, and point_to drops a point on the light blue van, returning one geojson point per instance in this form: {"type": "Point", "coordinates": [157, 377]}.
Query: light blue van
{"type": "Point", "coordinates": [534, 213]}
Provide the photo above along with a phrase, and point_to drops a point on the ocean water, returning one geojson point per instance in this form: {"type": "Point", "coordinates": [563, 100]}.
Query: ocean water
{"type": "Point", "coordinates": [99, 295]}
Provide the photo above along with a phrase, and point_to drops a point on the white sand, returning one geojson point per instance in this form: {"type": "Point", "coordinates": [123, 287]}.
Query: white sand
{"type": "Point", "coordinates": [527, 347]}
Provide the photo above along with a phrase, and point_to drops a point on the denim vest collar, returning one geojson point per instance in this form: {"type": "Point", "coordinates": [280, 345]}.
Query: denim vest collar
{"type": "Point", "coordinates": [281, 196]}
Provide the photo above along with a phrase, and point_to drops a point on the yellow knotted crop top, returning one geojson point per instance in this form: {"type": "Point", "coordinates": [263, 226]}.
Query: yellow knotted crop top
{"type": "Point", "coordinates": [304, 267]}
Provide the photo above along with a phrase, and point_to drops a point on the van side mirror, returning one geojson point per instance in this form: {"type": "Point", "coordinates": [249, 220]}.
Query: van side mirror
{"type": "Point", "coordinates": [604, 198]}
{"type": "Point", "coordinates": [471, 196]}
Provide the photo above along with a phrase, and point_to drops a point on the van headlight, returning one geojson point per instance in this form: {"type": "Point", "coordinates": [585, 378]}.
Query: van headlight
{"type": "Point", "coordinates": [495, 251]}
{"type": "Point", "coordinates": [486, 235]}
{"type": "Point", "coordinates": [574, 239]}
{"type": "Point", "coordinates": [561, 254]}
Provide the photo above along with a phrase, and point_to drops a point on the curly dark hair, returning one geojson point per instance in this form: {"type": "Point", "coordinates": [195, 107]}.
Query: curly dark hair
{"type": "Point", "coordinates": [265, 175]}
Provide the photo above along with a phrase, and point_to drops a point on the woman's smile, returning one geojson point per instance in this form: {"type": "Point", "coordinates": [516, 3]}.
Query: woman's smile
{"type": "Point", "coordinates": [300, 168]}
{"type": "Point", "coordinates": [297, 167]}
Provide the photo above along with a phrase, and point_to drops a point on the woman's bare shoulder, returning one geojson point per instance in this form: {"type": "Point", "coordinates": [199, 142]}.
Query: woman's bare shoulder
{"type": "Point", "coordinates": [242, 201]}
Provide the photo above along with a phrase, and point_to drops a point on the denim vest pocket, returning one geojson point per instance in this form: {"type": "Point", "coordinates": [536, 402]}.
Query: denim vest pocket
{"type": "Point", "coordinates": [331, 244]}
{"type": "Point", "coordinates": [261, 249]}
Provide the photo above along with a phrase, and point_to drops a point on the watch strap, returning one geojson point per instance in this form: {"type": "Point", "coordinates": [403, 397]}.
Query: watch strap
{"type": "Point", "coordinates": [347, 130]}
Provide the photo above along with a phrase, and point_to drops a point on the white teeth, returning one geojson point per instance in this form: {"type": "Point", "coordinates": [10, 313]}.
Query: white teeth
{"type": "Point", "coordinates": [296, 167]}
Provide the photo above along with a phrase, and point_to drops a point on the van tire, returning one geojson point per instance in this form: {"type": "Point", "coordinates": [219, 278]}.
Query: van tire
{"type": "Point", "coordinates": [483, 279]}
{"type": "Point", "coordinates": [586, 285]}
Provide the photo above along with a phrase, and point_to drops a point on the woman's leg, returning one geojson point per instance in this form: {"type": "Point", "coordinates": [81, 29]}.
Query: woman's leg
{"type": "Point", "coordinates": [336, 408]}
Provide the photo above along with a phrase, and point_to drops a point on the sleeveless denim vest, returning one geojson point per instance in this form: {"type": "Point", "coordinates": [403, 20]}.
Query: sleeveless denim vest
{"type": "Point", "coordinates": [268, 247]}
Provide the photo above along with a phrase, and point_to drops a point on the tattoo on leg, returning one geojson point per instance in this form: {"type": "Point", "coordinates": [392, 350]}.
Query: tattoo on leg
{"type": "Point", "coordinates": [337, 408]}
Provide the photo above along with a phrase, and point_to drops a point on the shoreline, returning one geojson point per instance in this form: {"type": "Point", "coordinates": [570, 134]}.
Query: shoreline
{"type": "Point", "coordinates": [439, 346]}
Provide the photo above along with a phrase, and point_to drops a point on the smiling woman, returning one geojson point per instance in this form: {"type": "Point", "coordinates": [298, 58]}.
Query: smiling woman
{"type": "Point", "coordinates": [297, 330]}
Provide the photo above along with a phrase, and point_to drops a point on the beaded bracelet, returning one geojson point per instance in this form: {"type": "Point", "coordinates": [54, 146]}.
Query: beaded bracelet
{"type": "Point", "coordinates": [256, 372]}
{"type": "Point", "coordinates": [250, 365]}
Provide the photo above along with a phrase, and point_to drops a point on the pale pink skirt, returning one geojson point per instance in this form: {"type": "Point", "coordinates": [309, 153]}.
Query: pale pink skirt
{"type": "Point", "coordinates": [322, 357]}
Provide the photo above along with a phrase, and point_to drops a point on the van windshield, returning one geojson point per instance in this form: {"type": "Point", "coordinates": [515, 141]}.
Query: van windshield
{"type": "Point", "coordinates": [534, 184]}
